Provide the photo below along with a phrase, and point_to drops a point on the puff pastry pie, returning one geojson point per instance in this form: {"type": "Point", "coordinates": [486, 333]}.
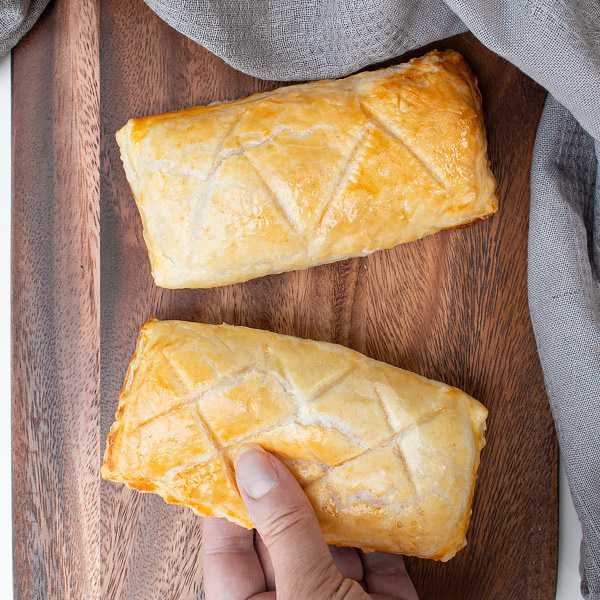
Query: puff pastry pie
{"type": "Point", "coordinates": [310, 173]}
{"type": "Point", "coordinates": [387, 458]}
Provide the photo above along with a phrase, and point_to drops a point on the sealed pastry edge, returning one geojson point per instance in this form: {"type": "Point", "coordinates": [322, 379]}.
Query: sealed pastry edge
{"type": "Point", "coordinates": [460, 65]}
{"type": "Point", "coordinates": [109, 472]}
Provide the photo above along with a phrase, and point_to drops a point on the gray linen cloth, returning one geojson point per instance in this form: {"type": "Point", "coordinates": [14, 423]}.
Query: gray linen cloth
{"type": "Point", "coordinates": [555, 42]}
{"type": "Point", "coordinates": [17, 17]}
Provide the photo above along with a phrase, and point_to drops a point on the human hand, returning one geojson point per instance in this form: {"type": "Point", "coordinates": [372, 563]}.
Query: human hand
{"type": "Point", "coordinates": [290, 554]}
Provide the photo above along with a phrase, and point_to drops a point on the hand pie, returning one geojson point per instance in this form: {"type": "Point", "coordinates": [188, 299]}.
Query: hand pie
{"type": "Point", "coordinates": [387, 458]}
{"type": "Point", "coordinates": [310, 173]}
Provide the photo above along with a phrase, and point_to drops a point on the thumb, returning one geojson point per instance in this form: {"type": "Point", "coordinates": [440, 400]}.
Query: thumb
{"type": "Point", "coordinates": [288, 526]}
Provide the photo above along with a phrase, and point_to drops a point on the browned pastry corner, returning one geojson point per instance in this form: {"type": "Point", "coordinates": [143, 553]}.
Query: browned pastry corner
{"type": "Point", "coordinates": [387, 458]}
{"type": "Point", "coordinates": [310, 173]}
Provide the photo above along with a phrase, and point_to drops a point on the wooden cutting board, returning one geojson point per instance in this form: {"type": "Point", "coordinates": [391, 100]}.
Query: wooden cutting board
{"type": "Point", "coordinates": [452, 307]}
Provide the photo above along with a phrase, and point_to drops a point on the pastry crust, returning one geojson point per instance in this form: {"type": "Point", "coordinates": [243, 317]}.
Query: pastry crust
{"type": "Point", "coordinates": [310, 173]}
{"type": "Point", "coordinates": [387, 458]}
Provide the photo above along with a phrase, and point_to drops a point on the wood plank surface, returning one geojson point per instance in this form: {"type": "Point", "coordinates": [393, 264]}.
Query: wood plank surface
{"type": "Point", "coordinates": [55, 306]}
{"type": "Point", "coordinates": [452, 307]}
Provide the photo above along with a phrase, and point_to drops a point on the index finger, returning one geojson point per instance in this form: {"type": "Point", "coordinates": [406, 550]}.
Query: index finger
{"type": "Point", "coordinates": [230, 565]}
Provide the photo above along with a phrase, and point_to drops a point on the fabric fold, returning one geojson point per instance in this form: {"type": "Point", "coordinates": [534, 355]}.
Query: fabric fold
{"type": "Point", "coordinates": [17, 17]}
{"type": "Point", "coordinates": [564, 302]}
{"type": "Point", "coordinates": [311, 39]}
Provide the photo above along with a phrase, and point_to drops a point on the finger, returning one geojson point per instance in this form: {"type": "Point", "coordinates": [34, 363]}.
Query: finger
{"type": "Point", "coordinates": [386, 574]}
{"type": "Point", "coordinates": [265, 561]}
{"type": "Point", "coordinates": [288, 526]}
{"type": "Point", "coordinates": [347, 561]}
{"type": "Point", "coordinates": [230, 565]}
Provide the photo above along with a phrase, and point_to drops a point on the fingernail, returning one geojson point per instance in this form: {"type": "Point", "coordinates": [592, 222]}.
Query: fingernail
{"type": "Point", "coordinates": [254, 471]}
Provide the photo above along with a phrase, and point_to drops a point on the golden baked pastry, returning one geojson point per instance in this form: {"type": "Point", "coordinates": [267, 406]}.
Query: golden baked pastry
{"type": "Point", "coordinates": [387, 458]}
{"type": "Point", "coordinates": [310, 173]}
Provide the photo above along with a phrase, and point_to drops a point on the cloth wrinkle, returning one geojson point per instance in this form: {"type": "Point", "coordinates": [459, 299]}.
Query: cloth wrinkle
{"type": "Point", "coordinates": [17, 17]}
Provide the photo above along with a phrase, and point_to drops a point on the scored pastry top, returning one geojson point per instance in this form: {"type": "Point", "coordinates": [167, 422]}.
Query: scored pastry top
{"type": "Point", "coordinates": [387, 458]}
{"type": "Point", "coordinates": [310, 173]}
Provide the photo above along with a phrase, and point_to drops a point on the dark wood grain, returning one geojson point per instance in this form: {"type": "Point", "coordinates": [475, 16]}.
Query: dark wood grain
{"type": "Point", "coordinates": [55, 306]}
{"type": "Point", "coordinates": [452, 306]}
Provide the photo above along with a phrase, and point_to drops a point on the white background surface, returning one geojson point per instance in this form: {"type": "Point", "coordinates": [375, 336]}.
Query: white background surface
{"type": "Point", "coordinates": [5, 395]}
{"type": "Point", "coordinates": [570, 531]}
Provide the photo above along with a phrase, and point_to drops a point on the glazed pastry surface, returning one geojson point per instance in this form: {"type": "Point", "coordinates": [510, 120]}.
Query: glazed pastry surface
{"type": "Point", "coordinates": [387, 458]}
{"type": "Point", "coordinates": [310, 173]}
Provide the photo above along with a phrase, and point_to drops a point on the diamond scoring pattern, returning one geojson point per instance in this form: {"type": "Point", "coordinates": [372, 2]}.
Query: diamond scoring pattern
{"type": "Point", "coordinates": [260, 397]}
{"type": "Point", "coordinates": [236, 143]}
{"type": "Point", "coordinates": [309, 174]}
